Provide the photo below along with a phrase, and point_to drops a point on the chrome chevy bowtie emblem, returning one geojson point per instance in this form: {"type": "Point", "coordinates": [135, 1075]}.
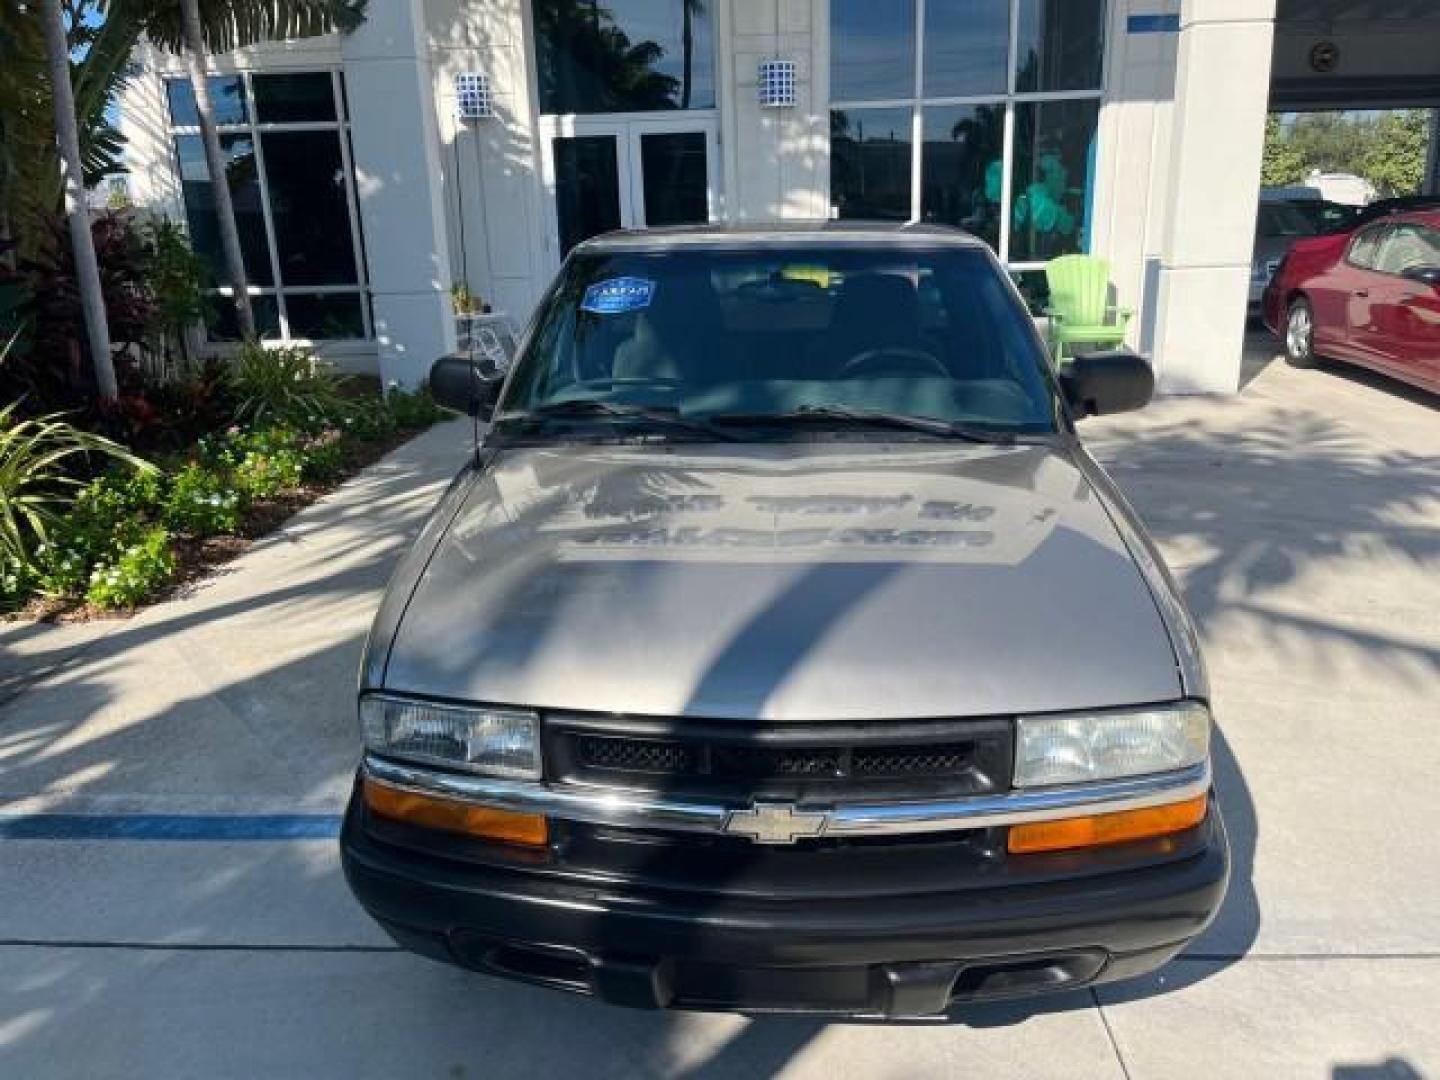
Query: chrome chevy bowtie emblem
{"type": "Point", "coordinates": [776, 823]}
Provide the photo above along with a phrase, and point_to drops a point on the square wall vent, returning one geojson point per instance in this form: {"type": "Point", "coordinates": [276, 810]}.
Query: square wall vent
{"type": "Point", "coordinates": [777, 84]}
{"type": "Point", "coordinates": [473, 100]}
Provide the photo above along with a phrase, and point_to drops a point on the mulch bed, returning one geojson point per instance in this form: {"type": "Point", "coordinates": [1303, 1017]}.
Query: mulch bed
{"type": "Point", "coordinates": [195, 558]}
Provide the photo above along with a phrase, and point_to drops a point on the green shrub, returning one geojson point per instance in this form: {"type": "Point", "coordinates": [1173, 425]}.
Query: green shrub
{"type": "Point", "coordinates": [266, 471]}
{"type": "Point", "coordinates": [203, 502]}
{"type": "Point", "coordinates": [324, 455]}
{"type": "Point", "coordinates": [413, 411]}
{"type": "Point", "coordinates": [369, 420]}
{"type": "Point", "coordinates": [109, 514]}
{"type": "Point", "coordinates": [17, 583]}
{"type": "Point", "coordinates": [139, 571]}
{"type": "Point", "coordinates": [284, 384]}
{"type": "Point", "coordinates": [39, 459]}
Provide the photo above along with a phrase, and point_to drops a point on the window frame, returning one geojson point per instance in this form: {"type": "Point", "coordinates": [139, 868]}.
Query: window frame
{"type": "Point", "coordinates": [254, 128]}
{"type": "Point", "coordinates": [1011, 99]}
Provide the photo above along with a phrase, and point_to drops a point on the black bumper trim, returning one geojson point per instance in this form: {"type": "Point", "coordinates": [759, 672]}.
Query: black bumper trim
{"type": "Point", "coordinates": [896, 957]}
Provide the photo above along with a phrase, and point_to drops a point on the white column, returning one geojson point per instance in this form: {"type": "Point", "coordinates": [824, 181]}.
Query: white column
{"type": "Point", "coordinates": [1222, 91]}
{"type": "Point", "coordinates": [397, 173]}
{"type": "Point", "coordinates": [777, 161]}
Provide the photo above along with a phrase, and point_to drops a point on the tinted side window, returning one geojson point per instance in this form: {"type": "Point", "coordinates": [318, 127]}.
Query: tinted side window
{"type": "Point", "coordinates": [1364, 247]}
{"type": "Point", "coordinates": [1406, 247]}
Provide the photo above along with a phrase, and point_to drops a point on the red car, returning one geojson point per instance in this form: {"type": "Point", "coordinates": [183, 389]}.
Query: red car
{"type": "Point", "coordinates": [1369, 296]}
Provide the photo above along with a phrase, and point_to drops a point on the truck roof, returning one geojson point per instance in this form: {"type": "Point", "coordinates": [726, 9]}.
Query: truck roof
{"type": "Point", "coordinates": [784, 233]}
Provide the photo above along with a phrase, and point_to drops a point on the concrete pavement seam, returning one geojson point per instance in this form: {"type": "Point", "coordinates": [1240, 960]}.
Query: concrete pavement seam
{"type": "Point", "coordinates": [1110, 1034]}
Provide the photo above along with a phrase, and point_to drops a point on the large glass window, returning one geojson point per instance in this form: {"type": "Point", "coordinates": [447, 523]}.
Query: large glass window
{"type": "Point", "coordinates": [286, 142]}
{"type": "Point", "coordinates": [1060, 45]}
{"type": "Point", "coordinates": [870, 162]}
{"type": "Point", "coordinates": [998, 118]}
{"type": "Point", "coordinates": [967, 48]}
{"type": "Point", "coordinates": [872, 45]}
{"type": "Point", "coordinates": [227, 100]}
{"type": "Point", "coordinates": [1052, 178]}
{"type": "Point", "coordinates": [624, 55]}
{"type": "Point", "coordinates": [962, 173]}
{"type": "Point", "coordinates": [242, 176]}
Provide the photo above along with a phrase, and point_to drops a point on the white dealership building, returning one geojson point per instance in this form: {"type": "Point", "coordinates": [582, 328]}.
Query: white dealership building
{"type": "Point", "coordinates": [475, 141]}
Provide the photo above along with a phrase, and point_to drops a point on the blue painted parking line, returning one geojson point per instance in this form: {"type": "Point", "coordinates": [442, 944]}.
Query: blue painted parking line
{"type": "Point", "coordinates": [169, 826]}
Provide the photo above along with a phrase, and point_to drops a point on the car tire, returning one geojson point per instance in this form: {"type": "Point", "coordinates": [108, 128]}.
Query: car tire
{"type": "Point", "coordinates": [1299, 334]}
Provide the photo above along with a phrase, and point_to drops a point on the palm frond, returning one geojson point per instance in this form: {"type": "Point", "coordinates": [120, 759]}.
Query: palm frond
{"type": "Point", "coordinates": [236, 24]}
{"type": "Point", "coordinates": [102, 153]}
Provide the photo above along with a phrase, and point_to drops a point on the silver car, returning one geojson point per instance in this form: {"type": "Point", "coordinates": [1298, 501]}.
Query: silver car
{"type": "Point", "coordinates": [779, 647]}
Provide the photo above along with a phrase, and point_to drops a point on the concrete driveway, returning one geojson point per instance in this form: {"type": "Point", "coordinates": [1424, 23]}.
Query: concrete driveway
{"type": "Point", "coordinates": [1304, 520]}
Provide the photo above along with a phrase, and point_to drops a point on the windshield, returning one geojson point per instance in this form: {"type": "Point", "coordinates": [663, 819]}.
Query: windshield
{"type": "Point", "coordinates": [836, 337]}
{"type": "Point", "coordinates": [1282, 219]}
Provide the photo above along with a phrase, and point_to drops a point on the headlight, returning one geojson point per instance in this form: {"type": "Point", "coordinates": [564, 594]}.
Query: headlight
{"type": "Point", "coordinates": [496, 742]}
{"type": "Point", "coordinates": [1080, 748]}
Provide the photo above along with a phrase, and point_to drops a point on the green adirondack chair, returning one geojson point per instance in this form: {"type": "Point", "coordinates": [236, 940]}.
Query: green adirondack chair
{"type": "Point", "coordinates": [1080, 311]}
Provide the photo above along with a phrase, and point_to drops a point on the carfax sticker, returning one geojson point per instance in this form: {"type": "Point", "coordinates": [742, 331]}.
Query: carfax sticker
{"type": "Point", "coordinates": [618, 295]}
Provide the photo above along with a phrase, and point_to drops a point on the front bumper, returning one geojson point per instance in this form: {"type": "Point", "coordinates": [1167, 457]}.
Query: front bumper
{"type": "Point", "coordinates": [1085, 919]}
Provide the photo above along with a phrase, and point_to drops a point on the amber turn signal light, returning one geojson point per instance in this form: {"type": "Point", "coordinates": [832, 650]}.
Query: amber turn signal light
{"type": "Point", "coordinates": [1099, 829]}
{"type": "Point", "coordinates": [453, 815]}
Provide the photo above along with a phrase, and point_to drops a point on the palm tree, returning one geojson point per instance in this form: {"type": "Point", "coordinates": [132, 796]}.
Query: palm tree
{"type": "Point", "coordinates": [31, 188]}
{"type": "Point", "coordinates": [77, 211]}
{"type": "Point", "coordinates": [222, 26]}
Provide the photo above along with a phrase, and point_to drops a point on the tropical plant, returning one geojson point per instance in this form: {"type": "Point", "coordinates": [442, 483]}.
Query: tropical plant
{"type": "Point", "coordinates": [284, 384]}
{"type": "Point", "coordinates": [39, 461]}
{"type": "Point", "coordinates": [99, 45]}
{"type": "Point", "coordinates": [203, 502]}
{"type": "Point", "coordinates": [52, 370]}
{"type": "Point", "coordinates": [464, 300]}
{"type": "Point", "coordinates": [178, 280]}
{"type": "Point", "coordinates": [137, 573]}
{"type": "Point", "coordinates": [108, 515]}
{"type": "Point", "coordinates": [102, 34]}
{"type": "Point", "coordinates": [185, 26]}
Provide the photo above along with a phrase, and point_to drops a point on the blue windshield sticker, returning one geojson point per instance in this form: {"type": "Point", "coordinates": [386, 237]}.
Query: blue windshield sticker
{"type": "Point", "coordinates": [618, 295]}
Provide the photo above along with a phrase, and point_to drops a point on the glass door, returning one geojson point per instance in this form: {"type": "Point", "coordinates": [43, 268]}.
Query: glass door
{"type": "Point", "coordinates": [615, 173]}
{"type": "Point", "coordinates": [673, 172]}
{"type": "Point", "coordinates": [589, 196]}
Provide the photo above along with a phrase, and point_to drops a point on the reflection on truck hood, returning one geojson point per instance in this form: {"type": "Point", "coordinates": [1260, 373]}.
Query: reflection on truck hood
{"type": "Point", "coordinates": [803, 581]}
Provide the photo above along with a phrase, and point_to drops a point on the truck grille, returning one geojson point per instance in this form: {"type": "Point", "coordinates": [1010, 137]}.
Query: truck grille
{"type": "Point", "coordinates": [955, 757]}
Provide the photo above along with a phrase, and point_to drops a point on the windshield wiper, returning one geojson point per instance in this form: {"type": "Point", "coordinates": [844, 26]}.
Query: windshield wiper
{"type": "Point", "coordinates": [821, 414]}
{"type": "Point", "coordinates": [582, 408]}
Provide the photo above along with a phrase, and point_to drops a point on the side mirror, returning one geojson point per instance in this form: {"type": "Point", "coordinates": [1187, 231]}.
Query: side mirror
{"type": "Point", "coordinates": [1101, 383]}
{"type": "Point", "coordinates": [457, 383]}
{"type": "Point", "coordinates": [1426, 275]}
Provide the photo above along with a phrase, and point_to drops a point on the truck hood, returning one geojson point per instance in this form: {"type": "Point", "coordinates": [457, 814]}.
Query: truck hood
{"type": "Point", "coordinates": [801, 582]}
